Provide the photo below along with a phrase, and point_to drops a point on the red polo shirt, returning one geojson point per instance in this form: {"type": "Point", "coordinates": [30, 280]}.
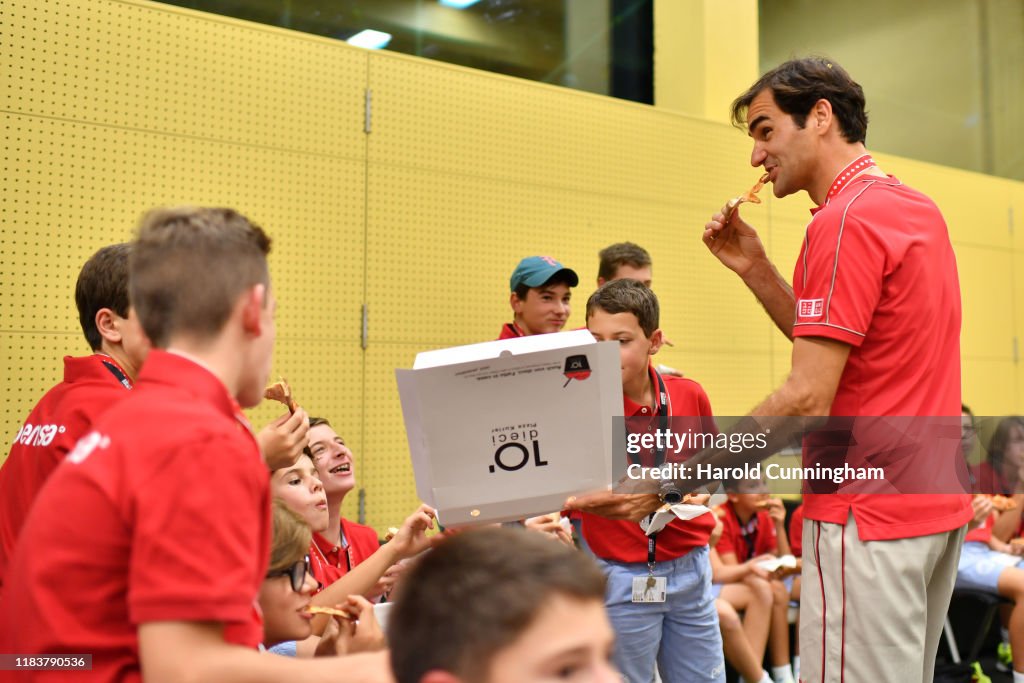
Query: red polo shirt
{"type": "Point", "coordinates": [877, 272]}
{"type": "Point", "coordinates": [330, 562]}
{"type": "Point", "coordinates": [796, 532]}
{"type": "Point", "coordinates": [161, 513]}
{"type": "Point", "coordinates": [754, 538]}
{"type": "Point", "coordinates": [623, 541]}
{"type": "Point", "coordinates": [983, 533]}
{"type": "Point", "coordinates": [61, 417]}
{"type": "Point", "coordinates": [510, 331]}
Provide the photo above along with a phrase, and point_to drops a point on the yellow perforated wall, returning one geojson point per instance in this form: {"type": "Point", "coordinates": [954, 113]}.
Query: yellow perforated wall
{"type": "Point", "coordinates": [113, 106]}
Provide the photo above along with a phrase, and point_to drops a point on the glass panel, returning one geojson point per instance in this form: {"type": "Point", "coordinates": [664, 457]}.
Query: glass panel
{"type": "Point", "coordinates": [942, 79]}
{"type": "Point", "coordinates": [601, 46]}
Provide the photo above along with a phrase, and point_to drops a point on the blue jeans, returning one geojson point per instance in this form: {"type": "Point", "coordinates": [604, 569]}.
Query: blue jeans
{"type": "Point", "coordinates": [680, 635]}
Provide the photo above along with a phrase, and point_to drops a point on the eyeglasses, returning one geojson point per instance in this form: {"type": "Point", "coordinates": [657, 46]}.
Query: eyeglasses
{"type": "Point", "coordinates": [297, 573]}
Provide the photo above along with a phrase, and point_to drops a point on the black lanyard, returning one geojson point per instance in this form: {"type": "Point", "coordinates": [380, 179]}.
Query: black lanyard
{"type": "Point", "coordinates": [652, 546]}
{"type": "Point", "coordinates": [748, 532]}
{"type": "Point", "coordinates": [116, 372]}
{"type": "Point", "coordinates": [661, 409]}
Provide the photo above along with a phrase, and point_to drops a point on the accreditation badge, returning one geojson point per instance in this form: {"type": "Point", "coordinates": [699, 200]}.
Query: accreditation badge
{"type": "Point", "coordinates": [650, 589]}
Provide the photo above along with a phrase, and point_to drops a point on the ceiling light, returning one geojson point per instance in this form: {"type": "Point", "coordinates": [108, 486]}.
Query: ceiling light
{"type": "Point", "coordinates": [459, 4]}
{"type": "Point", "coordinates": [370, 39]}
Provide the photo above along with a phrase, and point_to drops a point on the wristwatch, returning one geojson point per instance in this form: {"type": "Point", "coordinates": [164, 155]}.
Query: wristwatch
{"type": "Point", "coordinates": [670, 494]}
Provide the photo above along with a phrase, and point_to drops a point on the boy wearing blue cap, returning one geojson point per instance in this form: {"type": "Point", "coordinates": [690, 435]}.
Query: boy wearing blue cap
{"type": "Point", "coordinates": [540, 297]}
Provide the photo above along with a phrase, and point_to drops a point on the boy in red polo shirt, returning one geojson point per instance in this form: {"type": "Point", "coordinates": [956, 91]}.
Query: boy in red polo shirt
{"type": "Point", "coordinates": [91, 385]}
{"type": "Point", "coordinates": [679, 633]}
{"type": "Point", "coordinates": [148, 547]}
{"type": "Point", "coordinates": [752, 525]}
{"type": "Point", "coordinates": [540, 297]}
{"type": "Point", "coordinates": [342, 544]}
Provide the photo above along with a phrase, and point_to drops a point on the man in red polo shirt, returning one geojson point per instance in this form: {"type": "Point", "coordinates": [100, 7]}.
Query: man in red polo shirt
{"type": "Point", "coordinates": [91, 385]}
{"type": "Point", "coordinates": [541, 291]}
{"type": "Point", "coordinates": [874, 315]}
{"type": "Point", "coordinates": [147, 548]}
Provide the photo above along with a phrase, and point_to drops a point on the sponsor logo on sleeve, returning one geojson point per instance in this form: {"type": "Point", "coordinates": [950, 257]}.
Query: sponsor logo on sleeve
{"type": "Point", "coordinates": [86, 445]}
{"type": "Point", "coordinates": [38, 435]}
{"type": "Point", "coordinates": [810, 308]}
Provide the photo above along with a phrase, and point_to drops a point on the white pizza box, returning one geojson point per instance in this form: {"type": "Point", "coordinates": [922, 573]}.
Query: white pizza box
{"type": "Point", "coordinates": [508, 429]}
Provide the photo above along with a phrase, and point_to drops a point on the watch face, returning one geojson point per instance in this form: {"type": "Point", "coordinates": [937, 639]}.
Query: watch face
{"type": "Point", "coordinates": [671, 495]}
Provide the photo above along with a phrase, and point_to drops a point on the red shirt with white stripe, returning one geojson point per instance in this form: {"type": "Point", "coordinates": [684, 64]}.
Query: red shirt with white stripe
{"type": "Point", "coordinates": [161, 513]}
{"type": "Point", "coordinates": [877, 271]}
{"type": "Point", "coordinates": [61, 418]}
{"type": "Point", "coordinates": [623, 541]}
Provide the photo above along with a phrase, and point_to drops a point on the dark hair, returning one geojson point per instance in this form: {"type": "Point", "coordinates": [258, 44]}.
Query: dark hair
{"type": "Point", "coordinates": [102, 283]}
{"type": "Point", "coordinates": [188, 267]}
{"type": "Point", "coordinates": [999, 441]}
{"type": "Point", "coordinates": [314, 422]}
{"type": "Point", "coordinates": [475, 594]}
{"type": "Point", "coordinates": [799, 83]}
{"type": "Point", "coordinates": [627, 296]}
{"type": "Point", "coordinates": [559, 278]}
{"type": "Point", "coordinates": [619, 254]}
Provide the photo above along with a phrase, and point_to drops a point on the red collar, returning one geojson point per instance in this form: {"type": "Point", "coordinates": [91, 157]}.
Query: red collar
{"type": "Point", "coordinates": [848, 174]}
{"type": "Point", "coordinates": [511, 331]}
{"type": "Point", "coordinates": [77, 368]}
{"type": "Point", "coordinates": [631, 408]}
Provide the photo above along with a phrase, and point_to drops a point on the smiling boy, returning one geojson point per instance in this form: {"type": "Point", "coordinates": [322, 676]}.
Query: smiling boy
{"type": "Point", "coordinates": [342, 544]}
{"type": "Point", "coordinates": [541, 291]}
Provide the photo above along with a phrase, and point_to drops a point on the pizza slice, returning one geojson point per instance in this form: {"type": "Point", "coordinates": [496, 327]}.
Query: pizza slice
{"type": "Point", "coordinates": [748, 196]}
{"type": "Point", "coordinates": [280, 391]}
{"type": "Point", "coordinates": [317, 609]}
{"type": "Point", "coordinates": [1003, 503]}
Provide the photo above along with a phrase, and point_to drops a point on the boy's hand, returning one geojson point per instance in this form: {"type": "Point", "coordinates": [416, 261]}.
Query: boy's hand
{"type": "Point", "coordinates": [552, 526]}
{"type": "Point", "coordinates": [983, 507]}
{"type": "Point", "coordinates": [776, 510]}
{"type": "Point", "coordinates": [629, 506]}
{"type": "Point", "coordinates": [386, 584]}
{"type": "Point", "coordinates": [281, 442]}
{"type": "Point", "coordinates": [360, 633]}
{"type": "Point", "coordinates": [411, 538]}
{"type": "Point", "coordinates": [753, 564]}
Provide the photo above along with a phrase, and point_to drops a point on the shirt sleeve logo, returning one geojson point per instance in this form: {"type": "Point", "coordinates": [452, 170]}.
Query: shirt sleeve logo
{"type": "Point", "coordinates": [86, 445]}
{"type": "Point", "coordinates": [38, 435]}
{"type": "Point", "coordinates": [810, 308]}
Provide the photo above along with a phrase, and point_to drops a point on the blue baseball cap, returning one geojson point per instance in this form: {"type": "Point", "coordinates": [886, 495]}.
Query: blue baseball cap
{"type": "Point", "coordinates": [534, 271]}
